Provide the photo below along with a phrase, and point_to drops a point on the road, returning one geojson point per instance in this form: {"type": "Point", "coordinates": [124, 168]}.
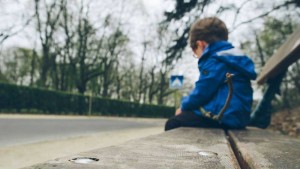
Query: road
{"type": "Point", "coordinates": [20, 130]}
{"type": "Point", "coordinates": [26, 140]}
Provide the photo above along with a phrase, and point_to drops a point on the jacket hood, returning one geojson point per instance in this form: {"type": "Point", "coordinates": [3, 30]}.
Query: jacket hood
{"type": "Point", "coordinates": [233, 57]}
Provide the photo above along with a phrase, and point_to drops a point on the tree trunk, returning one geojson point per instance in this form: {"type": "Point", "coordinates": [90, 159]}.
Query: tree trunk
{"type": "Point", "coordinates": [45, 67]}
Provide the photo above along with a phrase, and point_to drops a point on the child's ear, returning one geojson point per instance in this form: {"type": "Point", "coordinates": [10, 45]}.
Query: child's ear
{"type": "Point", "coordinates": [201, 43]}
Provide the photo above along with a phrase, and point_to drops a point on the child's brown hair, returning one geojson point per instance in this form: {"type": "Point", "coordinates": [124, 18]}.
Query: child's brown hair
{"type": "Point", "coordinates": [210, 29]}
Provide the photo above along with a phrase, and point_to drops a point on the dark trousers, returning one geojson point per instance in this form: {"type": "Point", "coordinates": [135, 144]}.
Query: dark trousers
{"type": "Point", "coordinates": [190, 119]}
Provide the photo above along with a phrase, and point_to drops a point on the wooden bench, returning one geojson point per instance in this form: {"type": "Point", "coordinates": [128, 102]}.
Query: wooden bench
{"type": "Point", "coordinates": [273, 73]}
{"type": "Point", "coordinates": [256, 148]}
{"type": "Point", "coordinates": [205, 148]}
{"type": "Point", "coordinates": [180, 148]}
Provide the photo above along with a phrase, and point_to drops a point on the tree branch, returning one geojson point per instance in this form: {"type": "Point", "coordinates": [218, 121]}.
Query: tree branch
{"type": "Point", "coordinates": [238, 11]}
{"type": "Point", "coordinates": [6, 36]}
{"type": "Point", "coordinates": [263, 15]}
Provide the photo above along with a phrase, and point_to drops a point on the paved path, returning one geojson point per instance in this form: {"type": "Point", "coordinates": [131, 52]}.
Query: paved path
{"type": "Point", "coordinates": [59, 136]}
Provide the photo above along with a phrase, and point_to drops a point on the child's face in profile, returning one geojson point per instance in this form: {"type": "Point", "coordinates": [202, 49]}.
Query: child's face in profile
{"type": "Point", "coordinates": [199, 48]}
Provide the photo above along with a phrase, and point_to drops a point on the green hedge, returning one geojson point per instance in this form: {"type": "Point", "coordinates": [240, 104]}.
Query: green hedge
{"type": "Point", "coordinates": [36, 100]}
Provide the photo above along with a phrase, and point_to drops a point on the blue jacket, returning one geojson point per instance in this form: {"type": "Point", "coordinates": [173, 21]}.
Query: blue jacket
{"type": "Point", "coordinates": [211, 90]}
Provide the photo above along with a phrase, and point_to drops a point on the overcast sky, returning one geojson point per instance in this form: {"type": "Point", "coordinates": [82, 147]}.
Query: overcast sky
{"type": "Point", "coordinates": [12, 13]}
{"type": "Point", "coordinates": [148, 12]}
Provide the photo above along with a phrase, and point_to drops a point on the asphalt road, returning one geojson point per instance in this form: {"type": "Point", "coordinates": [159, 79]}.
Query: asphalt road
{"type": "Point", "coordinates": [15, 131]}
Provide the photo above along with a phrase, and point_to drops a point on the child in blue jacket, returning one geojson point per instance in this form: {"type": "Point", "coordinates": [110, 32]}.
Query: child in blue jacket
{"type": "Point", "coordinates": [217, 57]}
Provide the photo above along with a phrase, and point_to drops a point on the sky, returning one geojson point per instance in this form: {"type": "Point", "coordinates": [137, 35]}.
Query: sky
{"type": "Point", "coordinates": [149, 12]}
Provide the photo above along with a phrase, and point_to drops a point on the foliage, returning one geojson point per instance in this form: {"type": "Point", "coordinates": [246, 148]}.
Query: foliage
{"type": "Point", "coordinates": [267, 40]}
{"type": "Point", "coordinates": [22, 65]}
{"type": "Point", "coordinates": [75, 48]}
{"type": "Point", "coordinates": [194, 9]}
{"type": "Point", "coordinates": [275, 33]}
{"type": "Point", "coordinates": [182, 7]}
{"type": "Point", "coordinates": [28, 99]}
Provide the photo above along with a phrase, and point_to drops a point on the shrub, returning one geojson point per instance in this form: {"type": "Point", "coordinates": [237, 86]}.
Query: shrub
{"type": "Point", "coordinates": [32, 100]}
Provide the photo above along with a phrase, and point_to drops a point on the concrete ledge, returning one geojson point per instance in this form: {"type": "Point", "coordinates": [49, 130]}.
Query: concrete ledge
{"type": "Point", "coordinates": [181, 148]}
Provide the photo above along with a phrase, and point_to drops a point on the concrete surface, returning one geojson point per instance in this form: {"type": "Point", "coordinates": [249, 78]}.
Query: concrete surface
{"type": "Point", "coordinates": [22, 155]}
{"type": "Point", "coordinates": [22, 129]}
{"type": "Point", "coordinates": [180, 148]}
{"type": "Point", "coordinates": [262, 149]}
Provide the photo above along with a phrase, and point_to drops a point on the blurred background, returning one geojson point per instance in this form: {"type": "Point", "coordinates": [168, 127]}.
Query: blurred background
{"type": "Point", "coordinates": [86, 56]}
{"type": "Point", "coordinates": [115, 58]}
{"type": "Point", "coordinates": [128, 50]}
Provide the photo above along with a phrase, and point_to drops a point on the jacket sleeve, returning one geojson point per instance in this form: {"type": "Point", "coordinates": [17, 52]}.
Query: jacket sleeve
{"type": "Point", "coordinates": [212, 76]}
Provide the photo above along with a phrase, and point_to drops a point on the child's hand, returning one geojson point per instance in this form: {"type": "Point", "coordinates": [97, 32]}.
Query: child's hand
{"type": "Point", "coordinates": [178, 111]}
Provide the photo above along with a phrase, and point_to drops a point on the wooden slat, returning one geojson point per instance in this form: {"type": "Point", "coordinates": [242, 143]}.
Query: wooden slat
{"type": "Point", "coordinates": [288, 53]}
{"type": "Point", "coordinates": [262, 149]}
{"type": "Point", "coordinates": [176, 149]}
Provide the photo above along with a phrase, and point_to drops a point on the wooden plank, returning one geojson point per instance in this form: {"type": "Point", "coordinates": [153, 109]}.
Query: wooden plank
{"type": "Point", "coordinates": [257, 148]}
{"type": "Point", "coordinates": [288, 53]}
{"type": "Point", "coordinates": [180, 148]}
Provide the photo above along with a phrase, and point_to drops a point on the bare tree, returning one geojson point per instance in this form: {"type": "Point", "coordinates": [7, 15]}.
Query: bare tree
{"type": "Point", "coordinates": [46, 30]}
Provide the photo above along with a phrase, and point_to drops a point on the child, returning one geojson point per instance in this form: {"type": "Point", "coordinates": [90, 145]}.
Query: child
{"type": "Point", "coordinates": [217, 57]}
